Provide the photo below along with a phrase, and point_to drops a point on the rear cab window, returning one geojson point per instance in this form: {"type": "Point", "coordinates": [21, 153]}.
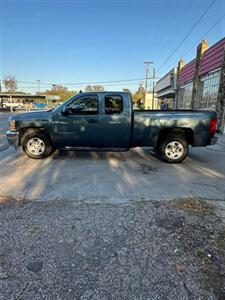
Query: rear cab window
{"type": "Point", "coordinates": [113, 104]}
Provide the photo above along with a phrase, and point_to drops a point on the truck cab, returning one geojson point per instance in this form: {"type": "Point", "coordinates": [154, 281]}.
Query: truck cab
{"type": "Point", "coordinates": [94, 120]}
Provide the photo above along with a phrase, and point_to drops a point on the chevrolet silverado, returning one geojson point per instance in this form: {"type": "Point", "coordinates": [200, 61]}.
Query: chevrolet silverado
{"type": "Point", "coordinates": [106, 121]}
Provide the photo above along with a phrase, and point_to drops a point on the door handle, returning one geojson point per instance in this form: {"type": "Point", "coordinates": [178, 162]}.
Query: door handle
{"type": "Point", "coordinates": [92, 121]}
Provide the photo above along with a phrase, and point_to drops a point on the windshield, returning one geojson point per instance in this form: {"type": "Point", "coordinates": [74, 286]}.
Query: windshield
{"type": "Point", "coordinates": [58, 107]}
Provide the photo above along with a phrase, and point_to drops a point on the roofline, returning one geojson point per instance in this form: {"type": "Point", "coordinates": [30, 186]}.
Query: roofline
{"type": "Point", "coordinates": [103, 92]}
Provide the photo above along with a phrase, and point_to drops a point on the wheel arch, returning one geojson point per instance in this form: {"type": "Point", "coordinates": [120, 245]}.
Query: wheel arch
{"type": "Point", "coordinates": [26, 130]}
{"type": "Point", "coordinates": [188, 133]}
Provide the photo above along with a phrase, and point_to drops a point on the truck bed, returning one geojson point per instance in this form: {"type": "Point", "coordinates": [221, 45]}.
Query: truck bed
{"type": "Point", "coordinates": [147, 125]}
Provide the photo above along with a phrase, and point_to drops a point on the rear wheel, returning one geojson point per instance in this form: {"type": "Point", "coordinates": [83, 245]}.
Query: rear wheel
{"type": "Point", "coordinates": [173, 148]}
{"type": "Point", "coordinates": [36, 144]}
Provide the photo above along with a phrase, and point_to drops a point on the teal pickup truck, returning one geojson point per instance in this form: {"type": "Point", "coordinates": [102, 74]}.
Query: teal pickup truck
{"type": "Point", "coordinates": [106, 121]}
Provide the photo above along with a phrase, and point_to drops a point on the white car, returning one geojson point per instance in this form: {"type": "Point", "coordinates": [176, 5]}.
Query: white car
{"type": "Point", "coordinates": [13, 104]}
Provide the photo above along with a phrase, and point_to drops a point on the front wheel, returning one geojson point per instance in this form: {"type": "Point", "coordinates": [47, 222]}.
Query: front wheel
{"type": "Point", "coordinates": [37, 145]}
{"type": "Point", "coordinates": [173, 148]}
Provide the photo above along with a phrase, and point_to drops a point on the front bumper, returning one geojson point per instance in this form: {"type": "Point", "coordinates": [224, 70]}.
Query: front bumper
{"type": "Point", "coordinates": [213, 140]}
{"type": "Point", "coordinates": [13, 138]}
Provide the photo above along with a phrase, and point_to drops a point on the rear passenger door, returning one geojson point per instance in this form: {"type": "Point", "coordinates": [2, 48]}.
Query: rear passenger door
{"type": "Point", "coordinates": [116, 121]}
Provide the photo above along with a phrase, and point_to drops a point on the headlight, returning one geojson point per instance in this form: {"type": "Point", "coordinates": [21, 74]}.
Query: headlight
{"type": "Point", "coordinates": [12, 125]}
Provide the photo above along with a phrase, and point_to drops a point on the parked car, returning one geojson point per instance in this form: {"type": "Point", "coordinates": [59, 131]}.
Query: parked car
{"type": "Point", "coordinates": [106, 120]}
{"type": "Point", "coordinates": [14, 105]}
{"type": "Point", "coordinates": [39, 105]}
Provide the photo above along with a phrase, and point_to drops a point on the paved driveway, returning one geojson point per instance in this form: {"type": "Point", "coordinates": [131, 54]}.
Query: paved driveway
{"type": "Point", "coordinates": [111, 176]}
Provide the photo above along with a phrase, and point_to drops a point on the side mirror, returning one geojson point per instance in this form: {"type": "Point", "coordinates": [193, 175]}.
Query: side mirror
{"type": "Point", "coordinates": [78, 108]}
{"type": "Point", "coordinates": [65, 110]}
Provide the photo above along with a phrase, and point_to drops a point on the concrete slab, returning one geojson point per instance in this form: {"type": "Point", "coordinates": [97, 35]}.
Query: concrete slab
{"type": "Point", "coordinates": [113, 177]}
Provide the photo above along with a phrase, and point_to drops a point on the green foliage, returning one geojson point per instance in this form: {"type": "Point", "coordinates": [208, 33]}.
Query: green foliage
{"type": "Point", "coordinates": [94, 88]}
{"type": "Point", "coordinates": [127, 90]}
{"type": "Point", "coordinates": [61, 91]}
{"type": "Point", "coordinates": [138, 97]}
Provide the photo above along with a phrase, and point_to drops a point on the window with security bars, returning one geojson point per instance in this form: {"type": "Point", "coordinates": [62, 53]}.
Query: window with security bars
{"type": "Point", "coordinates": [209, 91]}
{"type": "Point", "coordinates": [185, 96]}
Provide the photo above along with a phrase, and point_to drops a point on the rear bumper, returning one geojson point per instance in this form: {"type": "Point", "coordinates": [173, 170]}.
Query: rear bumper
{"type": "Point", "coordinates": [13, 138]}
{"type": "Point", "coordinates": [213, 140]}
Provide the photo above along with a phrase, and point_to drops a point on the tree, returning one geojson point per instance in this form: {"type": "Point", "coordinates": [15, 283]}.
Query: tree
{"type": "Point", "coordinates": [88, 88]}
{"type": "Point", "coordinates": [127, 90]}
{"type": "Point", "coordinates": [98, 88]}
{"type": "Point", "coordinates": [94, 88]}
{"type": "Point", "coordinates": [61, 91]}
{"type": "Point", "coordinates": [139, 96]}
{"type": "Point", "coordinates": [10, 84]}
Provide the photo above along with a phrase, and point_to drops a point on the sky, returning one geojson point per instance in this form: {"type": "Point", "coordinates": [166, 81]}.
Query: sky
{"type": "Point", "coordinates": [72, 41]}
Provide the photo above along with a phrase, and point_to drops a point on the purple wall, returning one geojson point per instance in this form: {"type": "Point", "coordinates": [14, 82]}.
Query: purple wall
{"type": "Point", "coordinates": [187, 72]}
{"type": "Point", "coordinates": [212, 58]}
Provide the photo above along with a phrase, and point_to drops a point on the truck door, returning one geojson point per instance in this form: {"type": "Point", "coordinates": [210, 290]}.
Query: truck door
{"type": "Point", "coordinates": [116, 120]}
{"type": "Point", "coordinates": [80, 126]}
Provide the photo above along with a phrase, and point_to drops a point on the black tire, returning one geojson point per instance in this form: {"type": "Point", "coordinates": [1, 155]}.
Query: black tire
{"type": "Point", "coordinates": [45, 145]}
{"type": "Point", "coordinates": [173, 148]}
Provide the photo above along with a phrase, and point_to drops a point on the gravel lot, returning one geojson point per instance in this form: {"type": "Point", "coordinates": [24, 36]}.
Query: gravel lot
{"type": "Point", "coordinates": [146, 250]}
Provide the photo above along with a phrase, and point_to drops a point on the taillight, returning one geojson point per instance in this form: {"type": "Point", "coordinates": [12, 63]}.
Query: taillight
{"type": "Point", "coordinates": [213, 125]}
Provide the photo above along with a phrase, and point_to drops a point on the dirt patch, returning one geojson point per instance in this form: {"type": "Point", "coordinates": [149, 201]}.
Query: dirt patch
{"type": "Point", "coordinates": [202, 238]}
{"type": "Point", "coordinates": [213, 263]}
{"type": "Point", "coordinates": [12, 200]}
{"type": "Point", "coordinates": [196, 205]}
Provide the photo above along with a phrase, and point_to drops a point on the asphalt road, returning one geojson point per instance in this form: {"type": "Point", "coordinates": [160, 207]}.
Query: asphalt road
{"type": "Point", "coordinates": [4, 122]}
{"type": "Point", "coordinates": [3, 128]}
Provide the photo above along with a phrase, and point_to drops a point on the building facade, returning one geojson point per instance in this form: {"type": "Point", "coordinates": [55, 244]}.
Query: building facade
{"type": "Point", "coordinates": [200, 83]}
{"type": "Point", "coordinates": [149, 102]}
{"type": "Point", "coordinates": [204, 78]}
{"type": "Point", "coordinates": [166, 89]}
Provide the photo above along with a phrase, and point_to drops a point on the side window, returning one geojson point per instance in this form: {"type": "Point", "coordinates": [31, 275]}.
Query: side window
{"type": "Point", "coordinates": [84, 105]}
{"type": "Point", "coordinates": [113, 104]}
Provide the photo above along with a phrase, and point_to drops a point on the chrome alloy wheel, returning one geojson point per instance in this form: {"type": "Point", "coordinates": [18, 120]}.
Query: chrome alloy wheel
{"type": "Point", "coordinates": [174, 150]}
{"type": "Point", "coordinates": [35, 146]}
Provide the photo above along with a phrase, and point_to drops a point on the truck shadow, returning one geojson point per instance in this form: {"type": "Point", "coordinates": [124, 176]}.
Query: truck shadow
{"type": "Point", "coordinates": [134, 175]}
{"type": "Point", "coordinates": [144, 153]}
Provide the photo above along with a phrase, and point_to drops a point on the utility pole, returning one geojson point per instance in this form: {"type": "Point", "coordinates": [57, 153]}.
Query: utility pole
{"type": "Point", "coordinates": [38, 83]}
{"type": "Point", "coordinates": [147, 63]}
{"type": "Point", "coordinates": [153, 89]}
{"type": "Point", "coordinates": [221, 98]}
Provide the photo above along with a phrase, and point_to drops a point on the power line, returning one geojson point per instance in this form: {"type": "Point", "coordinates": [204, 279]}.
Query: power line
{"type": "Point", "coordinates": [187, 35]}
{"type": "Point", "coordinates": [210, 29]}
{"type": "Point", "coordinates": [108, 84]}
{"type": "Point", "coordinates": [83, 83]}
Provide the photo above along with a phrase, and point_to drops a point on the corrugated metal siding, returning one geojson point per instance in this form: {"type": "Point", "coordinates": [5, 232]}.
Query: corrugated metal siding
{"type": "Point", "coordinates": [212, 58]}
{"type": "Point", "coordinates": [187, 72]}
